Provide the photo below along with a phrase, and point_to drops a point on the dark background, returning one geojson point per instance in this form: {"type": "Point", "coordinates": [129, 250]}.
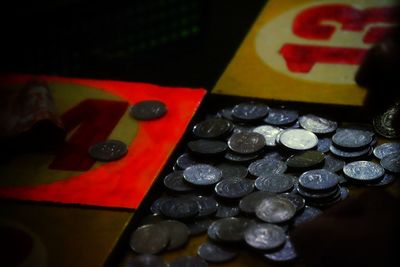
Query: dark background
{"type": "Point", "coordinates": [167, 42]}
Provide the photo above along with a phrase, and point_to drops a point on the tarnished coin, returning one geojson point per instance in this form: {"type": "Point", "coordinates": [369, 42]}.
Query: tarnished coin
{"type": "Point", "coordinates": [186, 160]}
{"type": "Point", "coordinates": [249, 203]}
{"type": "Point", "coordinates": [385, 149]}
{"type": "Point", "coordinates": [384, 123]}
{"type": "Point", "coordinates": [275, 183]}
{"type": "Point", "coordinates": [198, 226]}
{"type": "Point", "coordinates": [246, 142]}
{"type": "Point", "coordinates": [306, 159]}
{"type": "Point", "coordinates": [231, 229]}
{"type": "Point", "coordinates": [225, 113]}
{"type": "Point", "coordinates": [317, 124]}
{"type": "Point", "coordinates": [178, 233]}
{"type": "Point", "coordinates": [333, 164]}
{"type": "Point", "coordinates": [240, 158]}
{"type": "Point", "coordinates": [212, 252]}
{"type": "Point", "coordinates": [188, 261]}
{"type": "Point", "coordinates": [225, 211]}
{"type": "Point", "coordinates": [156, 239]}
{"type": "Point", "coordinates": [240, 128]}
{"type": "Point", "coordinates": [279, 117]}
{"type": "Point", "coordinates": [269, 133]}
{"type": "Point", "coordinates": [349, 154]}
{"type": "Point", "coordinates": [250, 111]}
{"type": "Point", "coordinates": [207, 205]}
{"type": "Point", "coordinates": [207, 147]}
{"type": "Point", "coordinates": [286, 254]}
{"type": "Point", "coordinates": [145, 260]}
{"type": "Point", "coordinates": [386, 180]}
{"type": "Point", "coordinates": [274, 155]}
{"type": "Point", "coordinates": [212, 231]}
{"type": "Point", "coordinates": [234, 188]}
{"type": "Point", "coordinates": [324, 144]}
{"type": "Point", "coordinates": [230, 170]}
{"type": "Point", "coordinates": [319, 196]}
{"type": "Point", "coordinates": [298, 201]}
{"type": "Point", "coordinates": [265, 236]}
{"type": "Point", "coordinates": [364, 171]}
{"type": "Point", "coordinates": [344, 192]}
{"type": "Point", "coordinates": [308, 214]}
{"type": "Point", "coordinates": [108, 150]}
{"type": "Point", "coordinates": [352, 139]}
{"type": "Point", "coordinates": [202, 174]}
{"type": "Point", "coordinates": [179, 208]}
{"type": "Point", "coordinates": [391, 162]}
{"type": "Point", "coordinates": [148, 110]}
{"type": "Point", "coordinates": [318, 180]}
{"type": "Point", "coordinates": [267, 166]}
{"type": "Point", "coordinates": [174, 181]}
{"type": "Point", "coordinates": [155, 208]}
{"type": "Point", "coordinates": [212, 128]}
{"type": "Point", "coordinates": [275, 210]}
{"type": "Point", "coordinates": [298, 139]}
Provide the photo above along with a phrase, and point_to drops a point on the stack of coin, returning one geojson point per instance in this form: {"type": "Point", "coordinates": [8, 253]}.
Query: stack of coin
{"type": "Point", "coordinates": [352, 143]}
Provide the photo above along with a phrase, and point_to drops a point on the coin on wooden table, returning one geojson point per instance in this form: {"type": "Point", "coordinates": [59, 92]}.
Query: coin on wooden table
{"type": "Point", "coordinates": [280, 117]}
{"type": "Point", "coordinates": [308, 214]}
{"type": "Point", "coordinates": [275, 210]}
{"type": "Point", "coordinates": [391, 162]}
{"type": "Point", "coordinates": [240, 158]}
{"type": "Point", "coordinates": [267, 166]}
{"type": "Point", "coordinates": [207, 147]}
{"type": "Point", "coordinates": [108, 150]}
{"type": "Point", "coordinates": [148, 110]}
{"type": "Point", "coordinates": [364, 171]}
{"type": "Point", "coordinates": [202, 174]}
{"type": "Point", "coordinates": [250, 111]}
{"type": "Point", "coordinates": [246, 142]}
{"type": "Point", "coordinates": [178, 233]}
{"type": "Point", "coordinates": [230, 170]}
{"type": "Point", "coordinates": [333, 164]}
{"type": "Point", "coordinates": [198, 226]}
{"type": "Point", "coordinates": [286, 254]}
{"type": "Point", "coordinates": [231, 229]}
{"type": "Point", "coordinates": [234, 188]}
{"type": "Point", "coordinates": [186, 160]}
{"type": "Point", "coordinates": [269, 133]}
{"type": "Point", "coordinates": [207, 205]}
{"type": "Point", "coordinates": [297, 200]}
{"type": "Point", "coordinates": [352, 139]}
{"type": "Point", "coordinates": [175, 181]}
{"type": "Point", "coordinates": [386, 180]}
{"type": "Point", "coordinates": [179, 208]}
{"type": "Point", "coordinates": [156, 239]}
{"type": "Point", "coordinates": [349, 154]}
{"type": "Point", "coordinates": [249, 203]}
{"type": "Point", "coordinates": [298, 139]}
{"type": "Point", "coordinates": [227, 210]}
{"type": "Point", "coordinates": [306, 159]}
{"type": "Point", "coordinates": [275, 183]}
{"type": "Point", "coordinates": [324, 144]}
{"type": "Point", "coordinates": [212, 128]}
{"type": "Point", "coordinates": [264, 236]}
{"type": "Point", "coordinates": [212, 252]}
{"type": "Point", "coordinates": [318, 180]}
{"type": "Point", "coordinates": [317, 124]}
{"type": "Point", "coordinates": [385, 149]}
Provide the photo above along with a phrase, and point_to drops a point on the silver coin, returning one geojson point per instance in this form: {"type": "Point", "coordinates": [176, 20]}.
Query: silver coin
{"type": "Point", "coordinates": [275, 183]}
{"type": "Point", "coordinates": [286, 254]}
{"type": "Point", "coordinates": [198, 226]}
{"type": "Point", "coordinates": [349, 154]}
{"type": "Point", "coordinates": [230, 170]}
{"type": "Point", "coordinates": [280, 117]}
{"type": "Point", "coordinates": [207, 205]}
{"type": "Point", "coordinates": [179, 208]}
{"type": "Point", "coordinates": [246, 142]}
{"type": "Point", "coordinates": [386, 149]}
{"type": "Point", "coordinates": [391, 162]}
{"type": "Point", "coordinates": [308, 214]}
{"type": "Point", "coordinates": [250, 111]}
{"type": "Point", "coordinates": [269, 133]}
{"type": "Point", "coordinates": [267, 166]}
{"type": "Point", "coordinates": [364, 171]}
{"type": "Point", "coordinates": [212, 252]}
{"type": "Point", "coordinates": [225, 211]}
{"type": "Point", "coordinates": [319, 180]}
{"type": "Point", "coordinates": [108, 150]}
{"type": "Point", "coordinates": [202, 174]}
{"type": "Point", "coordinates": [145, 260]}
{"type": "Point", "coordinates": [275, 210]}
{"type": "Point", "coordinates": [177, 231]}
{"type": "Point", "coordinates": [240, 158]}
{"type": "Point", "coordinates": [333, 164]}
{"type": "Point", "coordinates": [156, 239]}
{"type": "Point", "coordinates": [352, 139]}
{"type": "Point", "coordinates": [319, 196]}
{"type": "Point", "coordinates": [234, 188]}
{"type": "Point", "coordinates": [317, 124]}
{"type": "Point", "coordinates": [207, 147]}
{"type": "Point", "coordinates": [212, 128]}
{"type": "Point", "coordinates": [298, 201]}
{"type": "Point", "coordinates": [188, 261]}
{"type": "Point", "coordinates": [386, 180]}
{"type": "Point", "coordinates": [249, 203]}
{"type": "Point", "coordinates": [148, 110]}
{"type": "Point", "coordinates": [324, 144]}
{"type": "Point", "coordinates": [231, 229]}
{"type": "Point", "coordinates": [306, 159]}
{"type": "Point", "coordinates": [186, 160]}
{"type": "Point", "coordinates": [298, 139]}
{"type": "Point", "coordinates": [265, 236]}
{"type": "Point", "coordinates": [174, 181]}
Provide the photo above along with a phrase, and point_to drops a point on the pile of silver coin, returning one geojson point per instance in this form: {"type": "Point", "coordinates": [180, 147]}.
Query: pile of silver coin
{"type": "Point", "coordinates": [250, 175]}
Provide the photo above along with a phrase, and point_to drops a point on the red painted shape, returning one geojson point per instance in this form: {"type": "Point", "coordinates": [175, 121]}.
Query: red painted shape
{"type": "Point", "coordinates": [375, 34]}
{"type": "Point", "coordinates": [301, 58]}
{"type": "Point", "coordinates": [309, 24]}
{"type": "Point", "coordinates": [96, 119]}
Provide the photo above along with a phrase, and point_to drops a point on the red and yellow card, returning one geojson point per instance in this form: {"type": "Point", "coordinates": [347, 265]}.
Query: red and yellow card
{"type": "Point", "coordinates": [92, 111]}
{"type": "Point", "coordinates": [308, 50]}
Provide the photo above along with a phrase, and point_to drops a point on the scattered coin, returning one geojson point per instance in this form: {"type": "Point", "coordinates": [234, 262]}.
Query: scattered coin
{"type": "Point", "coordinates": [145, 260]}
{"type": "Point", "coordinates": [148, 110]}
{"type": "Point", "coordinates": [230, 170]}
{"type": "Point", "coordinates": [178, 233]}
{"type": "Point", "coordinates": [296, 200]}
{"type": "Point", "coordinates": [198, 226]}
{"type": "Point", "coordinates": [188, 261]}
{"type": "Point", "coordinates": [155, 208]}
{"type": "Point", "coordinates": [317, 180]}
{"type": "Point", "coordinates": [384, 123]}
{"type": "Point", "coordinates": [212, 252]}
{"type": "Point", "coordinates": [286, 254]}
{"type": "Point", "coordinates": [333, 164]}
{"type": "Point", "coordinates": [269, 133]}
{"type": "Point", "coordinates": [386, 180]}
{"type": "Point", "coordinates": [179, 208]}
{"type": "Point", "coordinates": [352, 139]}
{"type": "Point", "coordinates": [266, 166]}
{"type": "Point", "coordinates": [207, 205]}
{"type": "Point", "coordinates": [234, 188]}
{"type": "Point", "coordinates": [275, 210]}
{"type": "Point", "coordinates": [246, 142]}
{"type": "Point", "coordinates": [323, 196]}
{"type": "Point", "coordinates": [250, 111]}
{"type": "Point", "coordinates": [174, 181]}
{"type": "Point", "coordinates": [308, 214]}
{"type": "Point", "coordinates": [249, 203]}
{"type": "Point", "coordinates": [275, 183]}
{"type": "Point", "coordinates": [349, 154]}
{"type": "Point", "coordinates": [212, 128]}
{"type": "Point", "coordinates": [317, 124]}
{"type": "Point", "coordinates": [324, 144]}
{"type": "Point", "coordinates": [391, 162]}
{"type": "Point", "coordinates": [202, 174]}
{"type": "Point", "coordinates": [108, 150]}
{"type": "Point", "coordinates": [207, 147]}
{"type": "Point", "coordinates": [298, 139]}
{"type": "Point", "coordinates": [225, 211]}
{"type": "Point", "coordinates": [186, 160]}
{"type": "Point", "coordinates": [156, 239]}
{"type": "Point", "coordinates": [306, 159]}
{"type": "Point", "coordinates": [364, 171]}
{"type": "Point", "coordinates": [265, 236]}
{"type": "Point", "coordinates": [279, 117]}
{"type": "Point", "coordinates": [231, 229]}
{"type": "Point", "coordinates": [238, 158]}
{"type": "Point", "coordinates": [225, 113]}
{"type": "Point", "coordinates": [385, 149]}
